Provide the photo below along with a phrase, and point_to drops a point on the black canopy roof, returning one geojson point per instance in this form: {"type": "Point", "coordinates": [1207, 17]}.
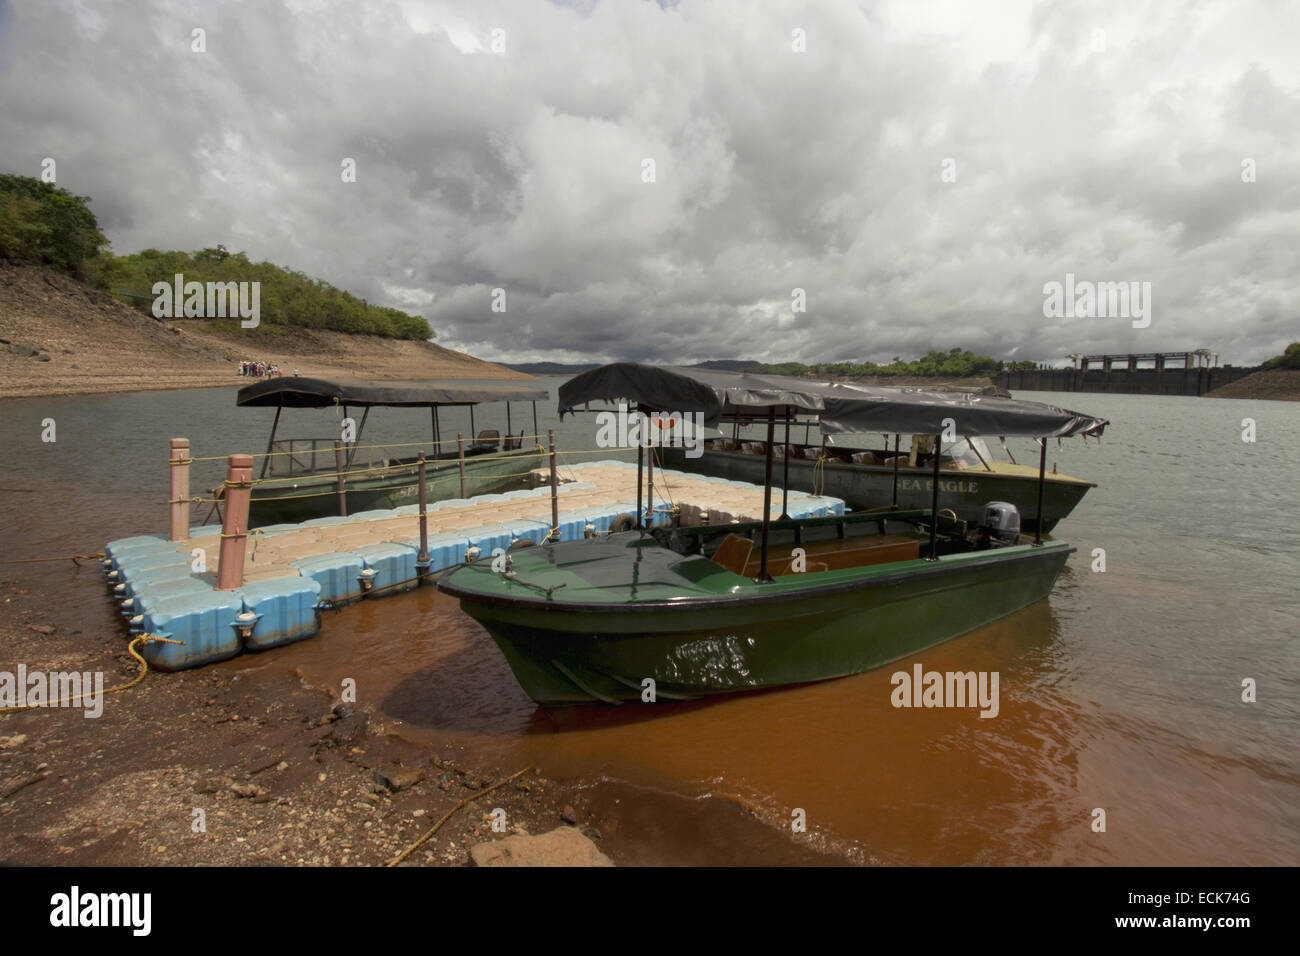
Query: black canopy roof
{"type": "Point", "coordinates": [840, 408]}
{"type": "Point", "coordinates": [296, 392]}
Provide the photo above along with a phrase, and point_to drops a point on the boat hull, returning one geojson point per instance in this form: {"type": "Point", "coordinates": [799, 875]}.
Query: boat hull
{"type": "Point", "coordinates": [871, 486]}
{"type": "Point", "coordinates": [317, 497]}
{"type": "Point", "coordinates": [780, 635]}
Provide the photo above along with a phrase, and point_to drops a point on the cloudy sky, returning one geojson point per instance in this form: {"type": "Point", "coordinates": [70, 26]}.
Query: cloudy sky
{"type": "Point", "coordinates": [919, 169]}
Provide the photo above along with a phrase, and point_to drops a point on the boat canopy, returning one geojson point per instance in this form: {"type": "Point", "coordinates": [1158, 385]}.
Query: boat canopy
{"type": "Point", "coordinates": [840, 408]}
{"type": "Point", "coordinates": [296, 392]}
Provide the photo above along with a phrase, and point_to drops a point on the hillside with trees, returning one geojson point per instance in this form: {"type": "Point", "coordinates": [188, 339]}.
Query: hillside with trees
{"type": "Point", "coordinates": [954, 364]}
{"type": "Point", "coordinates": [43, 224]}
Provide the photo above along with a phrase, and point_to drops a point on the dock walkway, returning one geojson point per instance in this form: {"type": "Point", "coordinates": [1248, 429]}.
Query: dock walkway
{"type": "Point", "coordinates": [293, 571]}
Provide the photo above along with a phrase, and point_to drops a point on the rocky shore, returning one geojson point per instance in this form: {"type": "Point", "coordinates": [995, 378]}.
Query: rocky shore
{"type": "Point", "coordinates": [212, 768]}
{"type": "Point", "coordinates": [239, 765]}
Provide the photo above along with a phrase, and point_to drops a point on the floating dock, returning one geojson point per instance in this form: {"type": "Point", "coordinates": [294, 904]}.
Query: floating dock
{"type": "Point", "coordinates": [291, 572]}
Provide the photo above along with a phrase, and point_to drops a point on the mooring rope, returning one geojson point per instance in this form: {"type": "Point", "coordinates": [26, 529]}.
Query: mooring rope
{"type": "Point", "coordinates": [130, 648]}
{"type": "Point", "coordinates": [448, 815]}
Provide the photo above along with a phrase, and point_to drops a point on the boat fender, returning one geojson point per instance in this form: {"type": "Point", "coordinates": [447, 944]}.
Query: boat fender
{"type": "Point", "coordinates": [624, 522]}
{"type": "Point", "coordinates": [520, 543]}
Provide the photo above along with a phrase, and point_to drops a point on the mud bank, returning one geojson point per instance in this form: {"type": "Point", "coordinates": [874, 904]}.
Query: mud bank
{"type": "Point", "coordinates": [251, 766]}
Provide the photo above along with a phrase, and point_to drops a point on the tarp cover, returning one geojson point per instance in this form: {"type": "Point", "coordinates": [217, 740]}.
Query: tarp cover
{"type": "Point", "coordinates": [841, 408]}
{"type": "Point", "coordinates": [296, 392]}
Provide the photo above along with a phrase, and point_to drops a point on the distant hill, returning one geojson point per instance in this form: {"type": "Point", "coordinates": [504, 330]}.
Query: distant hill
{"type": "Point", "coordinates": [559, 368]}
{"type": "Point", "coordinates": [548, 368]}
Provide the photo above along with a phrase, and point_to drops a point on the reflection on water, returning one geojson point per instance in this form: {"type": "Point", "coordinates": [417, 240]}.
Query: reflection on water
{"type": "Point", "coordinates": [1123, 692]}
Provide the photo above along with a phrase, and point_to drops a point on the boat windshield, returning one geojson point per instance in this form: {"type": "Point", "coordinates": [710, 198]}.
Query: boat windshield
{"type": "Point", "coordinates": [968, 451]}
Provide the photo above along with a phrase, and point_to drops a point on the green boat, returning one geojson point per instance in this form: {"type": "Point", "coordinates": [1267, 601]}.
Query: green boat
{"type": "Point", "coordinates": [299, 478]}
{"type": "Point", "coordinates": [970, 476]}
{"type": "Point", "coordinates": [679, 613]}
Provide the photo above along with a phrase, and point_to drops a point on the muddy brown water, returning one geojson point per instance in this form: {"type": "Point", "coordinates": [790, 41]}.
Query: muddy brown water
{"type": "Point", "coordinates": [1120, 693]}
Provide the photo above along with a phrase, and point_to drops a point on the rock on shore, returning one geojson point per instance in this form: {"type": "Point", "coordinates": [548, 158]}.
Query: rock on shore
{"type": "Point", "coordinates": [563, 846]}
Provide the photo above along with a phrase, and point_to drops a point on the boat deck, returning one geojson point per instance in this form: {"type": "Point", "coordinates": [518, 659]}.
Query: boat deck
{"type": "Point", "coordinates": [292, 571]}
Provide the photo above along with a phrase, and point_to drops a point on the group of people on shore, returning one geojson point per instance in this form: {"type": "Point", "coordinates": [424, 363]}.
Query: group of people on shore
{"type": "Point", "coordinates": [261, 369]}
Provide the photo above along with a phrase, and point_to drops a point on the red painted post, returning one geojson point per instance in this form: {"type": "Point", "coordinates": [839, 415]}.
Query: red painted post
{"type": "Point", "coordinates": [422, 559]}
{"type": "Point", "coordinates": [179, 463]}
{"type": "Point", "coordinates": [234, 531]}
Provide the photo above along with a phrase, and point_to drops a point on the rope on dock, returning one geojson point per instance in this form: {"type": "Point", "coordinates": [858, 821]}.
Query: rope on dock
{"type": "Point", "coordinates": [130, 648]}
{"type": "Point", "coordinates": [448, 815]}
{"type": "Point", "coordinates": [74, 558]}
{"type": "Point", "coordinates": [351, 447]}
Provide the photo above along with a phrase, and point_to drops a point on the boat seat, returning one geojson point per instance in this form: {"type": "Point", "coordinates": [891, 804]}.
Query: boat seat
{"type": "Point", "coordinates": [733, 553]}
{"type": "Point", "coordinates": [488, 438]}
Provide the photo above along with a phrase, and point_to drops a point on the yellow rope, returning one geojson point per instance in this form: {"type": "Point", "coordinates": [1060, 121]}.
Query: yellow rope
{"type": "Point", "coordinates": [71, 557]}
{"type": "Point", "coordinates": [144, 669]}
{"type": "Point", "coordinates": [448, 815]}
{"type": "Point", "coordinates": [819, 474]}
{"type": "Point", "coordinates": [351, 448]}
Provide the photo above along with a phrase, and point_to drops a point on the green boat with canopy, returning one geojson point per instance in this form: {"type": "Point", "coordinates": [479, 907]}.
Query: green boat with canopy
{"type": "Point", "coordinates": [698, 611]}
{"type": "Point", "coordinates": [300, 477]}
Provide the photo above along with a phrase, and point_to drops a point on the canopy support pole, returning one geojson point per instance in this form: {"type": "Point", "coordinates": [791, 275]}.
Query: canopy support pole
{"type": "Point", "coordinates": [536, 434]}
{"type": "Point", "coordinates": [640, 463]}
{"type": "Point", "coordinates": [650, 482]}
{"type": "Point", "coordinates": [472, 434]}
{"type": "Point", "coordinates": [785, 473]}
{"type": "Point", "coordinates": [437, 433]}
{"type": "Point", "coordinates": [508, 432]}
{"type": "Point", "coordinates": [1042, 481]}
{"type": "Point", "coordinates": [763, 576]}
{"type": "Point", "coordinates": [266, 462]}
{"type": "Point", "coordinates": [356, 442]}
{"type": "Point", "coordinates": [895, 505]}
{"type": "Point", "coordinates": [934, 503]}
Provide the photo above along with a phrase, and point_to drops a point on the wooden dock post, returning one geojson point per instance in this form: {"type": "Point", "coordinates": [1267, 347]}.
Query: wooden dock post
{"type": "Point", "coordinates": [555, 491]}
{"type": "Point", "coordinates": [179, 466]}
{"type": "Point", "coordinates": [422, 559]}
{"type": "Point", "coordinates": [234, 530]}
{"type": "Point", "coordinates": [460, 454]}
{"type": "Point", "coordinates": [338, 468]}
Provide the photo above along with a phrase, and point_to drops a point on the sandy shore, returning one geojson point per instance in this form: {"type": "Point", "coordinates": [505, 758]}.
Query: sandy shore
{"type": "Point", "coordinates": [59, 337]}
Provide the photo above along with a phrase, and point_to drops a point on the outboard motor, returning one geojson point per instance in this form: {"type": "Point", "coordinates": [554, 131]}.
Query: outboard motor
{"type": "Point", "coordinates": [1001, 523]}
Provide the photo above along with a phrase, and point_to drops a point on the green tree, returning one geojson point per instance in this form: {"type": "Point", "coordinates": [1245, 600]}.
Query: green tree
{"type": "Point", "coordinates": [41, 222]}
{"type": "Point", "coordinates": [1288, 359]}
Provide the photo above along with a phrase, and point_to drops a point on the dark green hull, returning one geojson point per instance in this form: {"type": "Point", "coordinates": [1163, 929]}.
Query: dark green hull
{"type": "Point", "coordinates": [871, 486]}
{"type": "Point", "coordinates": [724, 633]}
{"type": "Point", "coordinates": [317, 497]}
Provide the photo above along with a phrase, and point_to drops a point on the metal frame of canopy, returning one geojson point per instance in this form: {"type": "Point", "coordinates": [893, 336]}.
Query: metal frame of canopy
{"type": "Point", "coordinates": [840, 408]}
{"type": "Point", "coordinates": [302, 392]}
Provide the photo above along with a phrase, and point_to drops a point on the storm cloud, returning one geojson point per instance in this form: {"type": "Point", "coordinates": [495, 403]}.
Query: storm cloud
{"type": "Point", "coordinates": [920, 171]}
